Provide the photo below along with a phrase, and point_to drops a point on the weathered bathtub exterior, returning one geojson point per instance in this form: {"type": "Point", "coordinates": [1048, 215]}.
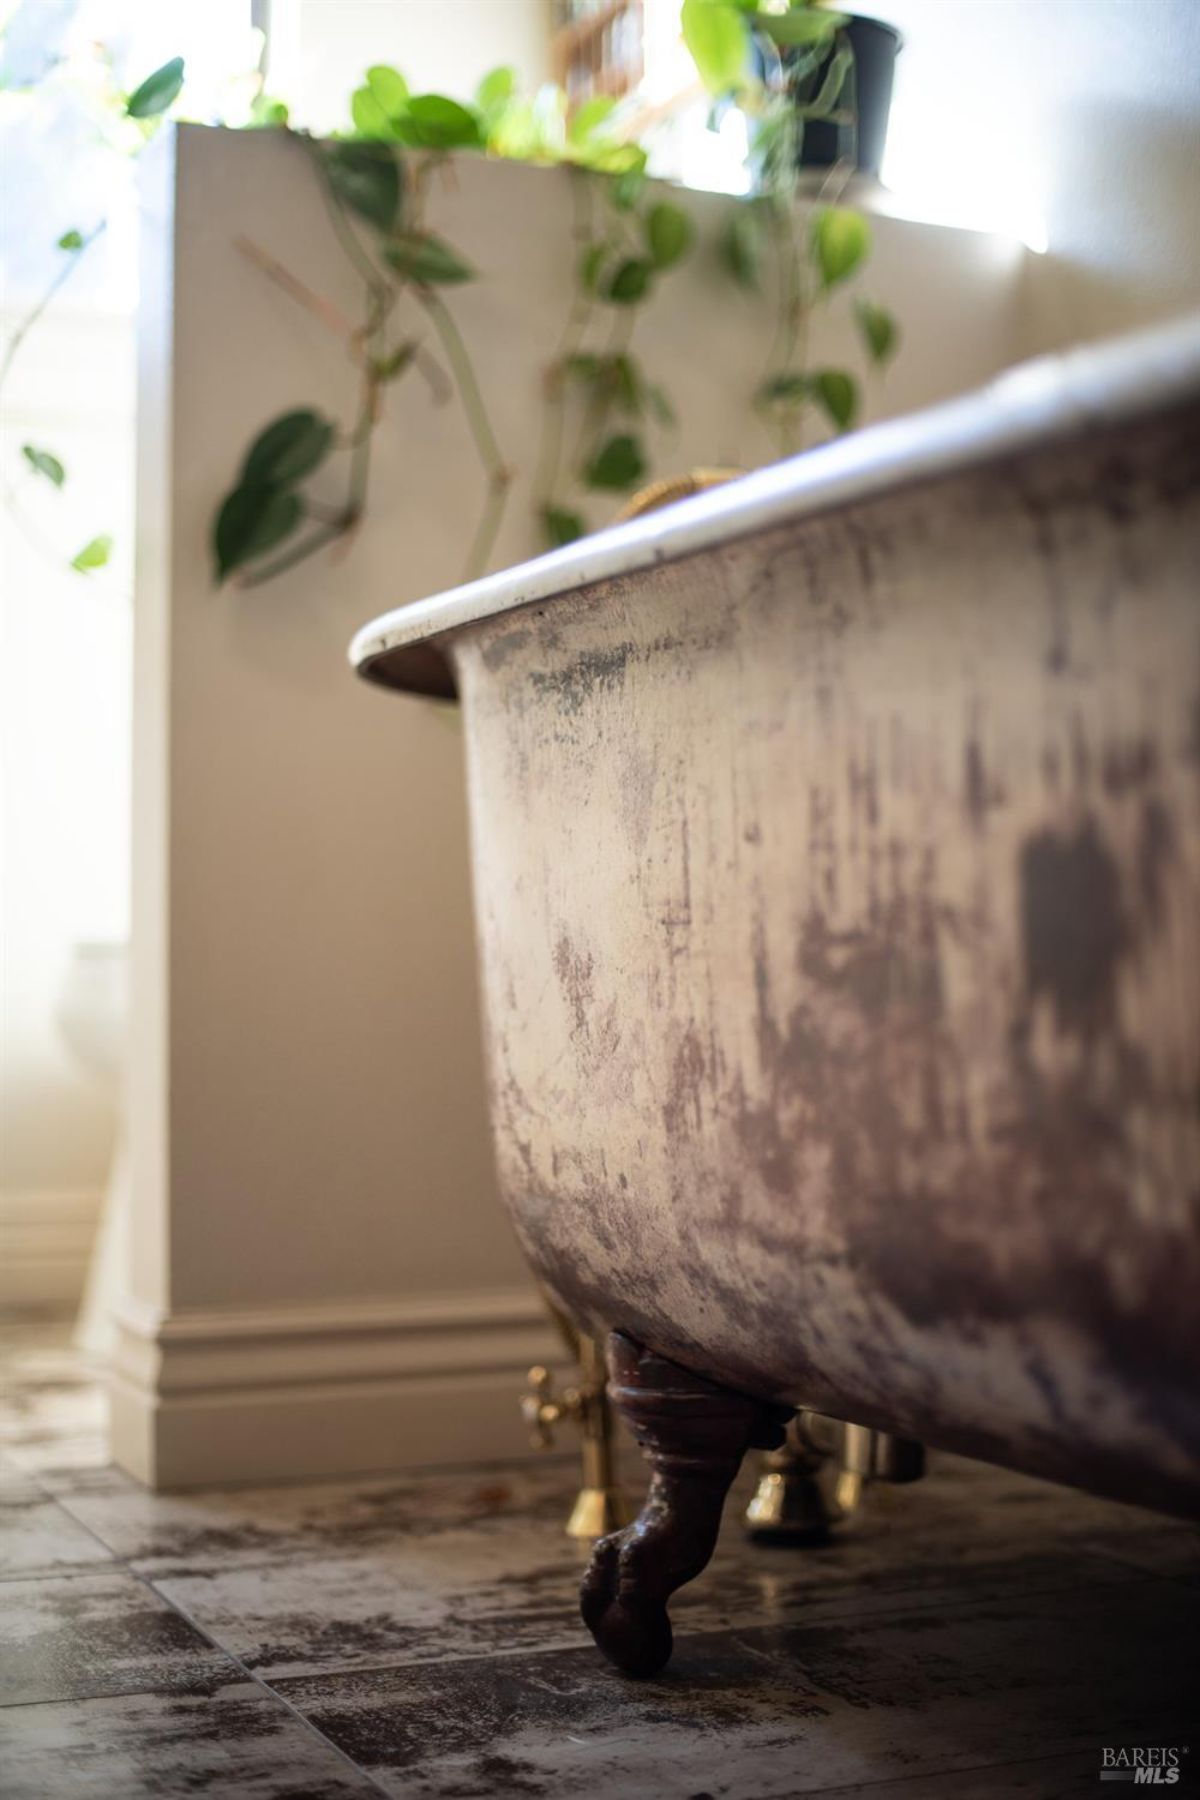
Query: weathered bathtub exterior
{"type": "Point", "coordinates": [837, 859]}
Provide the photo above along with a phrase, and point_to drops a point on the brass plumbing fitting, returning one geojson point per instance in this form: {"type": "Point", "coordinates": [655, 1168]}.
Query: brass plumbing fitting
{"type": "Point", "coordinates": [818, 1478]}
{"type": "Point", "coordinates": [600, 1506]}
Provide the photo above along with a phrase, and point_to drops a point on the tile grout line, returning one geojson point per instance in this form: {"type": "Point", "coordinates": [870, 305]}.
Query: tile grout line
{"type": "Point", "coordinates": [266, 1688]}
{"type": "Point", "coordinates": [263, 1687]}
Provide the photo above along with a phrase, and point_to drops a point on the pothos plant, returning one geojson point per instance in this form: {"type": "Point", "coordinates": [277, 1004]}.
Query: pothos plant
{"type": "Point", "coordinates": [602, 407]}
{"type": "Point", "coordinates": [786, 66]}
{"type": "Point", "coordinates": [138, 114]}
{"type": "Point", "coordinates": [377, 184]}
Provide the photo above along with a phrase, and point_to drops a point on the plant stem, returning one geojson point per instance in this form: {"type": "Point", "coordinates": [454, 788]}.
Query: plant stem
{"type": "Point", "coordinates": [549, 458]}
{"type": "Point", "coordinates": [320, 308]}
{"type": "Point", "coordinates": [74, 258]}
{"type": "Point", "coordinates": [498, 473]}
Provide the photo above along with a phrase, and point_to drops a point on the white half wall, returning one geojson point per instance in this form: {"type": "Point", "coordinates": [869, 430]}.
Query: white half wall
{"type": "Point", "coordinates": [313, 1188]}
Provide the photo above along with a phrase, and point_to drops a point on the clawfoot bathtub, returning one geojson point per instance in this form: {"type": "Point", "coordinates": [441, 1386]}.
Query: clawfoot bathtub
{"type": "Point", "coordinates": [837, 863]}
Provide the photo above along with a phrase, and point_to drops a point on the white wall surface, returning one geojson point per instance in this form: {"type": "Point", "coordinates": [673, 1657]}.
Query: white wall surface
{"type": "Point", "coordinates": [309, 1128]}
{"type": "Point", "coordinates": [64, 782]}
{"type": "Point", "coordinates": [1080, 118]}
{"type": "Point", "coordinates": [320, 48]}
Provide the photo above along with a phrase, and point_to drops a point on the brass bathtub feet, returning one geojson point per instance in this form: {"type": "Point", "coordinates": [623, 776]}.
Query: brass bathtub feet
{"type": "Point", "coordinates": [694, 1435]}
{"type": "Point", "coordinates": [818, 1478]}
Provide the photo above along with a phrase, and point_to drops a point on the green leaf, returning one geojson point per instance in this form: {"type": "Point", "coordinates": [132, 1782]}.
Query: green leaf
{"type": "Point", "coordinates": [627, 383]}
{"type": "Point", "coordinates": [806, 25]}
{"type": "Point", "coordinates": [496, 90]}
{"type": "Point", "coordinates": [288, 449]}
{"type": "Point", "coordinates": [785, 390]}
{"type": "Point", "coordinates": [562, 526]}
{"type": "Point", "coordinates": [253, 519]}
{"type": "Point", "coordinates": [267, 114]}
{"type": "Point", "coordinates": [590, 265]}
{"type": "Point", "coordinates": [589, 118]}
{"type": "Point", "coordinates": [71, 240]}
{"type": "Point", "coordinates": [630, 282]}
{"type": "Point", "coordinates": [157, 92]}
{"type": "Point", "coordinates": [370, 120]}
{"type": "Point", "coordinates": [366, 178]}
{"type": "Point", "coordinates": [584, 366]}
{"type": "Point", "coordinates": [669, 233]}
{"type": "Point", "coordinates": [43, 463]}
{"type": "Point", "coordinates": [617, 464]}
{"type": "Point", "coordinates": [740, 246]}
{"type": "Point", "coordinates": [94, 555]}
{"type": "Point", "coordinates": [836, 393]}
{"type": "Point", "coordinates": [392, 366]}
{"type": "Point", "coordinates": [388, 88]}
{"type": "Point", "coordinates": [627, 187]}
{"type": "Point", "coordinates": [880, 332]}
{"type": "Point", "coordinates": [432, 122]}
{"type": "Point", "coordinates": [717, 39]}
{"type": "Point", "coordinates": [426, 259]}
{"type": "Point", "coordinates": [841, 241]}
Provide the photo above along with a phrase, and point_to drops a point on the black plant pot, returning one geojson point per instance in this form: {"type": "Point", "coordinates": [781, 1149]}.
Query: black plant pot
{"type": "Point", "coordinates": [876, 47]}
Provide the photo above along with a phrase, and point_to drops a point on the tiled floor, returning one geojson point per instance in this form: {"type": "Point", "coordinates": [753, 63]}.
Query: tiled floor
{"type": "Point", "coordinates": [980, 1635]}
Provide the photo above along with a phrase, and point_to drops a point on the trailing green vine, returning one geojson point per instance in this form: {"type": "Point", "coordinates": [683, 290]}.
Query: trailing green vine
{"type": "Point", "coordinates": [603, 410]}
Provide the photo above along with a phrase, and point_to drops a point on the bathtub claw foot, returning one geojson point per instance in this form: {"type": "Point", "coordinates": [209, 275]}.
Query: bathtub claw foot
{"type": "Point", "coordinates": [694, 1435]}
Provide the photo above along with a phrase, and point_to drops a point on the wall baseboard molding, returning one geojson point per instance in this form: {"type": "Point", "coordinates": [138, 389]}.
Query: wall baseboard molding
{"type": "Point", "coordinates": [45, 1243]}
{"type": "Point", "coordinates": [288, 1392]}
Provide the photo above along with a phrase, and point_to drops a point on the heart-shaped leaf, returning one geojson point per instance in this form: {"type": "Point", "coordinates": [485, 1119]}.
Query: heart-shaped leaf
{"type": "Point", "coordinates": [562, 526]}
{"type": "Point", "coordinates": [388, 87]}
{"type": "Point", "coordinates": [255, 518]}
{"type": "Point", "coordinates": [94, 555]}
{"type": "Point", "coordinates": [740, 246]}
{"type": "Point", "coordinates": [426, 259]}
{"type": "Point", "coordinates": [370, 120]}
{"type": "Point", "coordinates": [589, 118]}
{"type": "Point", "coordinates": [497, 89]}
{"type": "Point", "coordinates": [669, 233]}
{"type": "Point", "coordinates": [880, 332]}
{"type": "Point", "coordinates": [433, 122]}
{"type": "Point", "coordinates": [157, 92]}
{"type": "Point", "coordinates": [42, 462]}
{"type": "Point", "coordinates": [836, 393]}
{"type": "Point", "coordinates": [366, 178]}
{"type": "Point", "coordinates": [617, 464]}
{"type": "Point", "coordinates": [717, 40]}
{"type": "Point", "coordinates": [841, 241]}
{"type": "Point", "coordinates": [628, 185]}
{"type": "Point", "coordinates": [630, 281]}
{"type": "Point", "coordinates": [288, 449]}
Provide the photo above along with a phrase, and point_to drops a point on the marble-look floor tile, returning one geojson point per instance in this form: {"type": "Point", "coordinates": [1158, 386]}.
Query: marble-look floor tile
{"type": "Point", "coordinates": [70, 1637]}
{"type": "Point", "coordinates": [761, 1714]}
{"type": "Point", "coordinates": [227, 1739]}
{"type": "Point", "coordinates": [1063, 1777]}
{"type": "Point", "coordinates": [454, 1594]}
{"type": "Point", "coordinates": [463, 1593]}
{"type": "Point", "coordinates": [216, 1528]}
{"type": "Point", "coordinates": [37, 1537]}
